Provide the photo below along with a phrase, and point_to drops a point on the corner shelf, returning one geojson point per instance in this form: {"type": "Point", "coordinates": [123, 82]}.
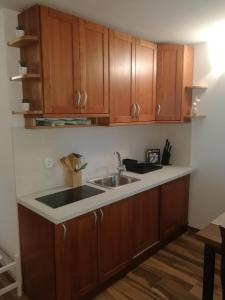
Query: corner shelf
{"type": "Point", "coordinates": [197, 116]}
{"type": "Point", "coordinates": [197, 87]}
{"type": "Point", "coordinates": [23, 41]}
{"type": "Point", "coordinates": [25, 77]}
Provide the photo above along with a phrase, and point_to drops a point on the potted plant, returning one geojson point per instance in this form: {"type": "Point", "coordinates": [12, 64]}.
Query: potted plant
{"type": "Point", "coordinates": [19, 31]}
{"type": "Point", "coordinates": [25, 105]}
{"type": "Point", "coordinates": [22, 68]}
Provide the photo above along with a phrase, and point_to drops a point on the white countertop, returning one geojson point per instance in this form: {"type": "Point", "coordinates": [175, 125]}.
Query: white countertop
{"type": "Point", "coordinates": [67, 212]}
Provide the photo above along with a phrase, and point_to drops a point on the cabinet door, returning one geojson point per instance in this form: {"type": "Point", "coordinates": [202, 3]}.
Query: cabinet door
{"type": "Point", "coordinates": [114, 239]}
{"type": "Point", "coordinates": [146, 58]}
{"type": "Point", "coordinates": [122, 76]}
{"type": "Point", "coordinates": [169, 82]}
{"type": "Point", "coordinates": [57, 31]}
{"type": "Point", "coordinates": [94, 67]}
{"type": "Point", "coordinates": [77, 254]}
{"type": "Point", "coordinates": [144, 220]}
{"type": "Point", "coordinates": [174, 207]}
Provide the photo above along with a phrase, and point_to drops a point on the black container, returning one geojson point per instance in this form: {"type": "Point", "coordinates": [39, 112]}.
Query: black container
{"type": "Point", "coordinates": [132, 165]}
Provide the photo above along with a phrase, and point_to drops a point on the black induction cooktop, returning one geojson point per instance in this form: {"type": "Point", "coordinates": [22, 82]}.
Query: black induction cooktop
{"type": "Point", "coordinates": [69, 196]}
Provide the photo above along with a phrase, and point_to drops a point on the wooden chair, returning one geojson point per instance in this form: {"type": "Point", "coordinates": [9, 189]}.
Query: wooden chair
{"type": "Point", "coordinates": [222, 271]}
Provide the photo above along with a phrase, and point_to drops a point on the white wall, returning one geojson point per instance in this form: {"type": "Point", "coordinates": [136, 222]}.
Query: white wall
{"type": "Point", "coordinates": [8, 212]}
{"type": "Point", "coordinates": [207, 196]}
{"type": "Point", "coordinates": [96, 144]}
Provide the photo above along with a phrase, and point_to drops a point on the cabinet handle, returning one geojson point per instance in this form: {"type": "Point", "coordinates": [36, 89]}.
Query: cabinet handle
{"type": "Point", "coordinates": [96, 217]}
{"type": "Point", "coordinates": [158, 109]}
{"type": "Point", "coordinates": [133, 112]}
{"type": "Point", "coordinates": [102, 215]}
{"type": "Point", "coordinates": [64, 231]}
{"type": "Point", "coordinates": [146, 249]}
{"type": "Point", "coordinates": [85, 100]}
{"type": "Point", "coordinates": [138, 110]}
{"type": "Point", "coordinates": [78, 98]}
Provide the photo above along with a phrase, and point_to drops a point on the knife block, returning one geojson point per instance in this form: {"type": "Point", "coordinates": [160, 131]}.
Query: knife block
{"type": "Point", "coordinates": [165, 158]}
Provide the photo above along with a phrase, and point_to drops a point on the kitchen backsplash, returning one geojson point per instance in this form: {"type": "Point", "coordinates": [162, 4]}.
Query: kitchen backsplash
{"type": "Point", "coordinates": [96, 144]}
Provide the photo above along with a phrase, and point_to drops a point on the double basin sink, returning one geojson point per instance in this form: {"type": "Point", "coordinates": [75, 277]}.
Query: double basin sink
{"type": "Point", "coordinates": [113, 181]}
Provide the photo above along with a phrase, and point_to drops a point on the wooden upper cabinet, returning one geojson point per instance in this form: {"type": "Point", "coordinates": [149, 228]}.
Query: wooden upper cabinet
{"type": "Point", "coordinates": [94, 67]}
{"type": "Point", "coordinates": [122, 76]}
{"type": "Point", "coordinates": [132, 69]}
{"type": "Point", "coordinates": [174, 73]}
{"type": "Point", "coordinates": [75, 64]}
{"type": "Point", "coordinates": [146, 55]}
{"type": "Point", "coordinates": [57, 60]}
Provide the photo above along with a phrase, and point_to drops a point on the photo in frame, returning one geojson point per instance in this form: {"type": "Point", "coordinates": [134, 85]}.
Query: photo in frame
{"type": "Point", "coordinates": [152, 156]}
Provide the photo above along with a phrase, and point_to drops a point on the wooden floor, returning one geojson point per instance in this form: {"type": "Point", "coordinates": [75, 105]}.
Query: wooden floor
{"type": "Point", "coordinates": [174, 273]}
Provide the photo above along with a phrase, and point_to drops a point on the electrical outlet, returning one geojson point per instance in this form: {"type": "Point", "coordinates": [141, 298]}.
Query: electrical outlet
{"type": "Point", "coordinates": [49, 162]}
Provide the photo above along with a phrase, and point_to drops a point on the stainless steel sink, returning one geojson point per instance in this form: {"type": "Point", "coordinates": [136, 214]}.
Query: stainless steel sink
{"type": "Point", "coordinates": [113, 181]}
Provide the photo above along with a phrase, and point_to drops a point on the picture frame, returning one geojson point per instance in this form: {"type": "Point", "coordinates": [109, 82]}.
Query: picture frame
{"type": "Point", "coordinates": [152, 156]}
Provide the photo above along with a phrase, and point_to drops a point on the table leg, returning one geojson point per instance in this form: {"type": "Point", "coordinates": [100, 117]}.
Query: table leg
{"type": "Point", "coordinates": [208, 275]}
{"type": "Point", "coordinates": [222, 273]}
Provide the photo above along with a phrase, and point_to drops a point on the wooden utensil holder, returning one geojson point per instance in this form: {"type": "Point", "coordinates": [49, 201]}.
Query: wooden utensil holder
{"type": "Point", "coordinates": [73, 178]}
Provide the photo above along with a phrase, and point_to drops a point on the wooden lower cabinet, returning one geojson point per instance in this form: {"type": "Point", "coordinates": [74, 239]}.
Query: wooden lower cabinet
{"type": "Point", "coordinates": [69, 261]}
{"type": "Point", "coordinates": [174, 207]}
{"type": "Point", "coordinates": [83, 236]}
{"type": "Point", "coordinates": [144, 221]}
{"type": "Point", "coordinates": [114, 235]}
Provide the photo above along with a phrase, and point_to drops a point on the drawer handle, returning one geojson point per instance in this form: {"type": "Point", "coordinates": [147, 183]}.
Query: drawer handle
{"type": "Point", "coordinates": [102, 215]}
{"type": "Point", "coordinates": [134, 109]}
{"type": "Point", "coordinates": [96, 217]}
{"type": "Point", "coordinates": [158, 109]}
{"type": "Point", "coordinates": [85, 100]}
{"type": "Point", "coordinates": [146, 249]}
{"type": "Point", "coordinates": [78, 98]}
{"type": "Point", "coordinates": [138, 110]}
{"type": "Point", "coordinates": [64, 231]}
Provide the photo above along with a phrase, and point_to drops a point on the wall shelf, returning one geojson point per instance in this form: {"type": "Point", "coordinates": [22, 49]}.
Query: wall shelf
{"type": "Point", "coordinates": [197, 116]}
{"type": "Point", "coordinates": [37, 122]}
{"type": "Point", "coordinates": [23, 41]}
{"type": "Point", "coordinates": [27, 113]}
{"type": "Point", "coordinates": [59, 126]}
{"type": "Point", "coordinates": [25, 77]}
{"type": "Point", "coordinates": [197, 87]}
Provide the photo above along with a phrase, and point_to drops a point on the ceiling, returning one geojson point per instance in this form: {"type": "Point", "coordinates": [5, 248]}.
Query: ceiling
{"type": "Point", "coordinates": [184, 21]}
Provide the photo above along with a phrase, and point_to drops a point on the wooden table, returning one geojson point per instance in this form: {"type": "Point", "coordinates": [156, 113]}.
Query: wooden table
{"type": "Point", "coordinates": [210, 235]}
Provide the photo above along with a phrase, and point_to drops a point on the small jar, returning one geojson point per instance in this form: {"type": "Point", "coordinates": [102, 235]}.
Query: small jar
{"type": "Point", "coordinates": [25, 106]}
{"type": "Point", "coordinates": [19, 33]}
{"type": "Point", "coordinates": [22, 70]}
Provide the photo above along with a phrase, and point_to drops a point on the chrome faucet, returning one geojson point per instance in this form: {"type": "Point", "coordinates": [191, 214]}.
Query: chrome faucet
{"type": "Point", "coordinates": [121, 166]}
